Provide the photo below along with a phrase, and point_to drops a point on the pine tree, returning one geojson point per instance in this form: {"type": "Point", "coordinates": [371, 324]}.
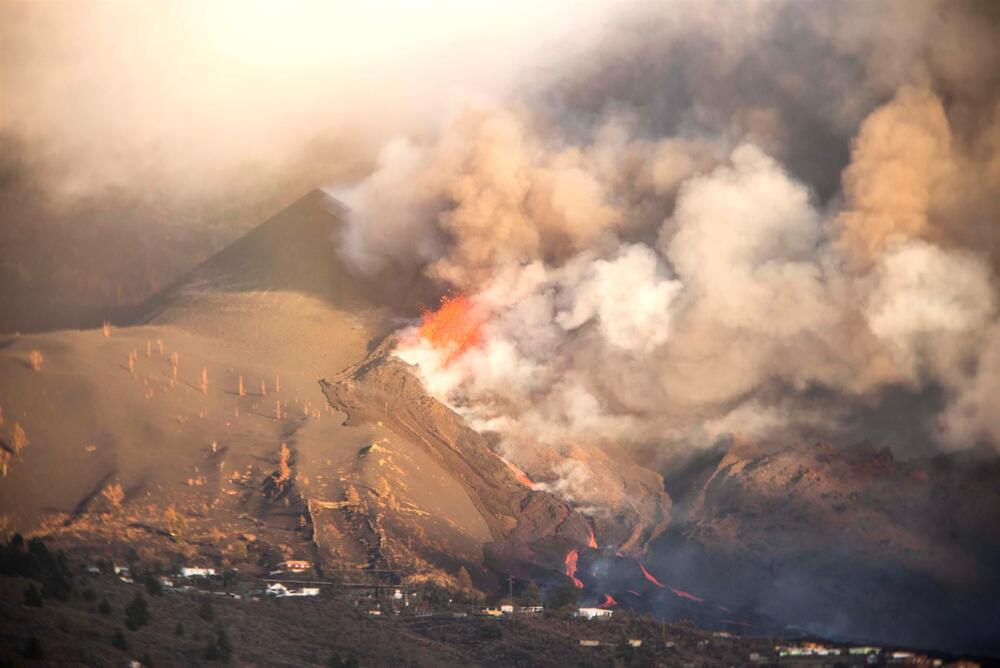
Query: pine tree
{"type": "Point", "coordinates": [137, 612]}
{"type": "Point", "coordinates": [33, 650]}
{"type": "Point", "coordinates": [225, 647]}
{"type": "Point", "coordinates": [464, 579]}
{"type": "Point", "coordinates": [205, 609]}
{"type": "Point", "coordinates": [531, 595]}
{"type": "Point", "coordinates": [119, 641]}
{"type": "Point", "coordinates": [32, 598]}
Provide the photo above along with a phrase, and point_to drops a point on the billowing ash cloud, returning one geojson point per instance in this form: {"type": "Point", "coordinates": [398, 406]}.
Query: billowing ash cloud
{"type": "Point", "coordinates": [718, 214]}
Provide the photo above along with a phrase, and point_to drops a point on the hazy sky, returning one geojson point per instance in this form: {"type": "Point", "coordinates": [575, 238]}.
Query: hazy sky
{"type": "Point", "coordinates": [104, 92]}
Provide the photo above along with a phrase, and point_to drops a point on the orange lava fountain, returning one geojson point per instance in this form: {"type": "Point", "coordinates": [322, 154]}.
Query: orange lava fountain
{"type": "Point", "coordinates": [608, 601]}
{"type": "Point", "coordinates": [455, 327]}
{"type": "Point", "coordinates": [592, 539]}
{"type": "Point", "coordinates": [571, 558]}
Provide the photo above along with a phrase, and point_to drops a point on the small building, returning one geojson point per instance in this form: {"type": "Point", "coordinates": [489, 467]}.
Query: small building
{"type": "Point", "coordinates": [590, 643]}
{"type": "Point", "coordinates": [531, 609]}
{"type": "Point", "coordinates": [864, 649]}
{"type": "Point", "coordinates": [292, 566]}
{"type": "Point", "coordinates": [197, 572]}
{"type": "Point", "coordinates": [121, 570]}
{"type": "Point", "coordinates": [166, 582]}
{"type": "Point", "coordinates": [594, 613]}
{"type": "Point", "coordinates": [281, 591]}
{"type": "Point", "coordinates": [93, 569]}
{"type": "Point", "coordinates": [507, 609]}
{"type": "Point", "coordinates": [491, 612]}
{"type": "Point", "coordinates": [634, 642]}
{"type": "Point", "coordinates": [807, 649]}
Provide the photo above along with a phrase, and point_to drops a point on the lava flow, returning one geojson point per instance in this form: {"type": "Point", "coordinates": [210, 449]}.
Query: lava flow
{"type": "Point", "coordinates": [571, 558]}
{"type": "Point", "coordinates": [455, 327]}
{"type": "Point", "coordinates": [677, 592]}
{"type": "Point", "coordinates": [683, 594]}
{"type": "Point", "coordinates": [592, 539]}
{"type": "Point", "coordinates": [608, 601]}
{"type": "Point", "coordinates": [519, 475]}
{"type": "Point", "coordinates": [649, 576]}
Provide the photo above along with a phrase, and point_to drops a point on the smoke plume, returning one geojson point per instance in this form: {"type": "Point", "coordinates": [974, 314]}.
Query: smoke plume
{"type": "Point", "coordinates": [715, 215]}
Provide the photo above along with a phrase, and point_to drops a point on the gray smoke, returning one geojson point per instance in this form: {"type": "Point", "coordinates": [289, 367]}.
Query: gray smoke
{"type": "Point", "coordinates": [718, 213]}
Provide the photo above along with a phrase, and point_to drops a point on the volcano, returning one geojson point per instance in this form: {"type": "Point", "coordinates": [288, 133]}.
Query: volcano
{"type": "Point", "coordinates": [254, 412]}
{"type": "Point", "coordinates": [287, 430]}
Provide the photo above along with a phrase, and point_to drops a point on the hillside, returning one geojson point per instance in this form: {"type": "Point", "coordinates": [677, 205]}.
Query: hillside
{"type": "Point", "coordinates": [203, 429]}
{"type": "Point", "coordinates": [845, 542]}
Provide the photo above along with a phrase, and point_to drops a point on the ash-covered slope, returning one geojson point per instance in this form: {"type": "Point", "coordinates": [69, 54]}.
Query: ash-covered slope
{"type": "Point", "coordinates": [847, 542]}
{"type": "Point", "coordinates": [431, 488]}
{"type": "Point", "coordinates": [203, 431]}
{"type": "Point", "coordinates": [184, 414]}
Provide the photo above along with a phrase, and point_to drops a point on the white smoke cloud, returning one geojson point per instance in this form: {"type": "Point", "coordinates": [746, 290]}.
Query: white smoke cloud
{"type": "Point", "coordinates": [926, 299]}
{"type": "Point", "coordinates": [628, 297]}
{"type": "Point", "coordinates": [661, 268]}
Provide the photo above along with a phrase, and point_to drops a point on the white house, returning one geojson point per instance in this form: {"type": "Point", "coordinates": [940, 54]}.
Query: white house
{"type": "Point", "coordinates": [594, 613]}
{"type": "Point", "coordinates": [531, 609]}
{"type": "Point", "coordinates": [195, 572]}
{"type": "Point", "coordinates": [507, 609]}
{"type": "Point", "coordinates": [590, 643]}
{"type": "Point", "coordinates": [281, 591]}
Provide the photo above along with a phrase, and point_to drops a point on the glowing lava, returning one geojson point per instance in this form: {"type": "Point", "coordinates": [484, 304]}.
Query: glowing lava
{"type": "Point", "coordinates": [684, 594]}
{"type": "Point", "coordinates": [649, 576]}
{"type": "Point", "coordinates": [608, 601]}
{"type": "Point", "coordinates": [455, 327]}
{"type": "Point", "coordinates": [592, 539]}
{"type": "Point", "coordinates": [520, 475]}
{"type": "Point", "coordinates": [571, 558]}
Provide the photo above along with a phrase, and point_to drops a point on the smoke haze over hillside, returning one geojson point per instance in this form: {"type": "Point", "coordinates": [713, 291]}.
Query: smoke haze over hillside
{"type": "Point", "coordinates": [138, 138]}
{"type": "Point", "coordinates": [722, 219]}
